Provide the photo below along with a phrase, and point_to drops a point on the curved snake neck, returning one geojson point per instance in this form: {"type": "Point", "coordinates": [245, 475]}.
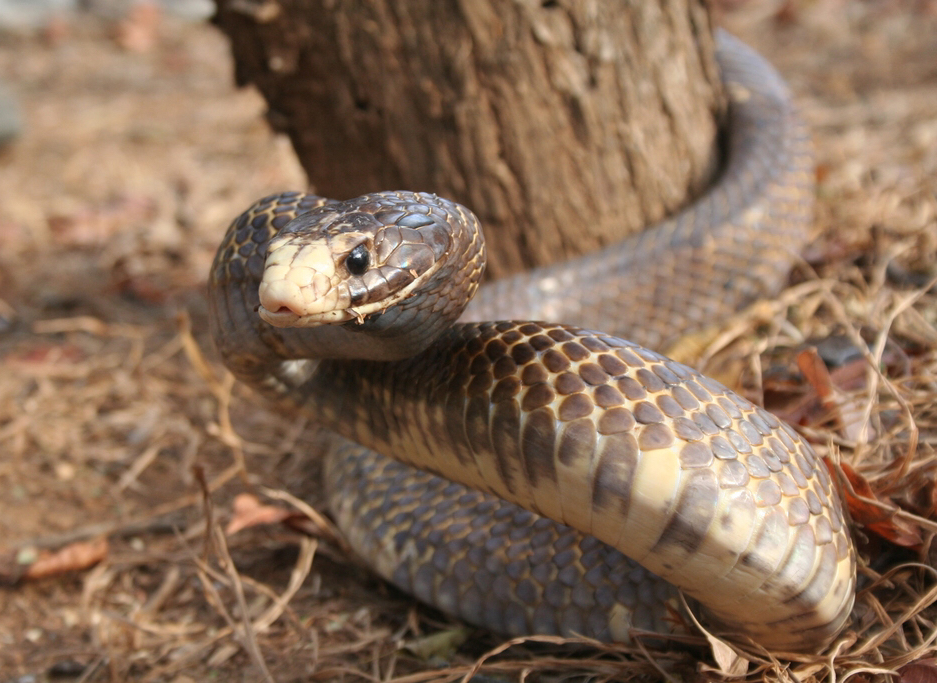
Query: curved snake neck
{"type": "Point", "coordinates": [607, 454]}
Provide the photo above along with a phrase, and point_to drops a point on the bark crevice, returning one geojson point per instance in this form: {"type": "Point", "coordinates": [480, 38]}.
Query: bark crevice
{"type": "Point", "coordinates": [562, 125]}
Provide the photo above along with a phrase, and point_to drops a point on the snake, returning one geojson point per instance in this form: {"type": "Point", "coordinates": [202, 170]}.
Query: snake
{"type": "Point", "coordinates": [538, 477]}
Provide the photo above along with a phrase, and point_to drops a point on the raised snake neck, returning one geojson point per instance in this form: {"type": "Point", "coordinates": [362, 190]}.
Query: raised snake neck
{"type": "Point", "coordinates": [696, 483]}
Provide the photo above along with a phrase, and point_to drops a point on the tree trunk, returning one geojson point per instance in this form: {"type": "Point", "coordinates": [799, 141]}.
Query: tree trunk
{"type": "Point", "coordinates": [563, 125]}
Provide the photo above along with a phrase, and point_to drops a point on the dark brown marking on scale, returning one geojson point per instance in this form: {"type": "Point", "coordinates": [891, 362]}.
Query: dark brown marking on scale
{"type": "Point", "coordinates": [772, 533]}
{"type": "Point", "coordinates": [538, 435]}
{"type": "Point", "coordinates": [693, 513]}
{"type": "Point", "coordinates": [615, 464]}
{"type": "Point", "coordinates": [577, 442]}
{"type": "Point", "coordinates": [798, 564]}
{"type": "Point", "coordinates": [505, 431]}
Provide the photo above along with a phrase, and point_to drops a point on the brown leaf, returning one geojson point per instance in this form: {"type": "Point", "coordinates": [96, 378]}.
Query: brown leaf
{"type": "Point", "coordinates": [824, 394]}
{"type": "Point", "coordinates": [921, 671]}
{"type": "Point", "coordinates": [814, 370]}
{"type": "Point", "coordinates": [875, 513]}
{"type": "Point", "coordinates": [73, 557]}
{"type": "Point", "coordinates": [846, 414]}
{"type": "Point", "coordinates": [248, 512]}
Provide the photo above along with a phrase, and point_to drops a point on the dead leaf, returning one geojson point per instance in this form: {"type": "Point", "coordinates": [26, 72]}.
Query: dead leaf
{"type": "Point", "coordinates": [73, 557]}
{"type": "Point", "coordinates": [249, 511]}
{"type": "Point", "coordinates": [826, 394]}
{"type": "Point", "coordinates": [875, 513]}
{"type": "Point", "coordinates": [728, 661]}
{"type": "Point", "coordinates": [921, 671]}
{"type": "Point", "coordinates": [847, 415]}
{"type": "Point", "coordinates": [814, 369]}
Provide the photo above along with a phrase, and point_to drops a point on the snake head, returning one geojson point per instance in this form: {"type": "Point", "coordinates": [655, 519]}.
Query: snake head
{"type": "Point", "coordinates": [349, 260]}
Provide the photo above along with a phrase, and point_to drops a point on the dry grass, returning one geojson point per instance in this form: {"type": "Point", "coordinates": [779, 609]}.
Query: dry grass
{"type": "Point", "coordinates": [117, 421]}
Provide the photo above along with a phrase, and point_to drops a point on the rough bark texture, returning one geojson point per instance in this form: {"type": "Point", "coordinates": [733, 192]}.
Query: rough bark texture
{"type": "Point", "coordinates": [563, 125]}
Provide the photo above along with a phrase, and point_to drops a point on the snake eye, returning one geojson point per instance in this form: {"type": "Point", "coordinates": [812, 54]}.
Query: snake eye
{"type": "Point", "coordinates": [358, 260]}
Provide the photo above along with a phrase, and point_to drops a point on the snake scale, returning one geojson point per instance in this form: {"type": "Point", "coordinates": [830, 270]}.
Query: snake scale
{"type": "Point", "coordinates": [594, 475]}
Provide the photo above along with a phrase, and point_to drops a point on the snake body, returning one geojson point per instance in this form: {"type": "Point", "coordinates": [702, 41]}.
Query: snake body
{"type": "Point", "coordinates": [602, 449]}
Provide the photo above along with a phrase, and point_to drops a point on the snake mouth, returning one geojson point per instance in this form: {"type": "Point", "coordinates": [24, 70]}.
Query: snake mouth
{"type": "Point", "coordinates": [297, 295]}
{"type": "Point", "coordinates": [284, 317]}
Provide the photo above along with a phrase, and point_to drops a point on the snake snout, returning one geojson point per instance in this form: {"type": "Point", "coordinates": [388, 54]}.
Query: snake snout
{"type": "Point", "coordinates": [298, 288]}
{"type": "Point", "coordinates": [281, 297]}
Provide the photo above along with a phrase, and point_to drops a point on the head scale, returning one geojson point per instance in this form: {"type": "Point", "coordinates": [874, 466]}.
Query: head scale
{"type": "Point", "coordinates": [354, 260]}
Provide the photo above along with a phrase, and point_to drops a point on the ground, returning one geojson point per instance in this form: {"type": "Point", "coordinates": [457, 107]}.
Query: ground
{"type": "Point", "coordinates": [115, 414]}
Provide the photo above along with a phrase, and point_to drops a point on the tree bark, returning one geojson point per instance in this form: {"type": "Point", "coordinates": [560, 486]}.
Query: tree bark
{"type": "Point", "coordinates": [563, 125]}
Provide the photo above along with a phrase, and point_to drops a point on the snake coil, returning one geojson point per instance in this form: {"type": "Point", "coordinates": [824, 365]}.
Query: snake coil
{"type": "Point", "coordinates": [594, 475]}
